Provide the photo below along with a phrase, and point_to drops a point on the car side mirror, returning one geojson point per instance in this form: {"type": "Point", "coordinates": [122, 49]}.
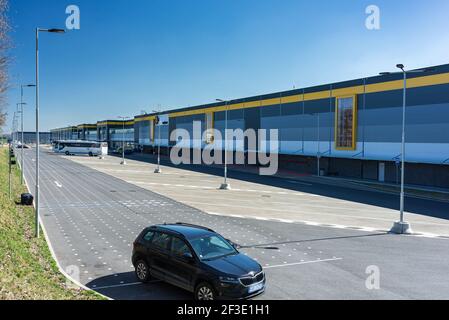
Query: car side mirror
{"type": "Point", "coordinates": [188, 257]}
{"type": "Point", "coordinates": [232, 243]}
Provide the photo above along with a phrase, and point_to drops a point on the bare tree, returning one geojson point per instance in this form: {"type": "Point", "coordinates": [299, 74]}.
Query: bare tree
{"type": "Point", "coordinates": [4, 59]}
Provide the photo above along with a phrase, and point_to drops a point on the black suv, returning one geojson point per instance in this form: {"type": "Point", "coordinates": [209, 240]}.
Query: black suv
{"type": "Point", "coordinates": [196, 259]}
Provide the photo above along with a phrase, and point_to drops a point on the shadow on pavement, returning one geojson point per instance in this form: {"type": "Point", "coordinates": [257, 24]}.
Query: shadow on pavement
{"type": "Point", "coordinates": [425, 207]}
{"type": "Point", "coordinates": [125, 286]}
{"type": "Point", "coordinates": [273, 244]}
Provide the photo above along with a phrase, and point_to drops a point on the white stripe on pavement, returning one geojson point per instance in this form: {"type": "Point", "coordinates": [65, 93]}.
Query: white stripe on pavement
{"type": "Point", "coordinates": [301, 263]}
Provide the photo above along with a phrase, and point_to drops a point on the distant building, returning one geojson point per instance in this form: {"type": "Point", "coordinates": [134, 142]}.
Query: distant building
{"type": "Point", "coordinates": [30, 137]}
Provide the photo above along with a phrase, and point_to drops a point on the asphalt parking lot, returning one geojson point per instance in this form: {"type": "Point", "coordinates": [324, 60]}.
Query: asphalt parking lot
{"type": "Point", "coordinates": [285, 200]}
{"type": "Point", "coordinates": [92, 218]}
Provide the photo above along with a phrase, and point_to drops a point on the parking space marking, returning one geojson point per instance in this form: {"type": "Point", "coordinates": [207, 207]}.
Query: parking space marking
{"type": "Point", "coordinates": [303, 262]}
{"type": "Point", "coordinates": [214, 188]}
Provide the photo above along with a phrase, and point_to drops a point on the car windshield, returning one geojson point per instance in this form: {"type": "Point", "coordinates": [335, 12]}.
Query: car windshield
{"type": "Point", "coordinates": [212, 247]}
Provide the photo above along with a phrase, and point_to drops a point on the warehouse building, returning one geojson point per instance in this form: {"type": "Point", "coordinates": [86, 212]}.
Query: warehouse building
{"type": "Point", "coordinates": [354, 127]}
{"type": "Point", "coordinates": [67, 133]}
{"type": "Point", "coordinates": [115, 133]}
{"type": "Point", "coordinates": [30, 137]}
{"type": "Point", "coordinates": [87, 132]}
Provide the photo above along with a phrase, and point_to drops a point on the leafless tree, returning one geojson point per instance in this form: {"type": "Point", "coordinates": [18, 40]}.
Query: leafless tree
{"type": "Point", "coordinates": [4, 58]}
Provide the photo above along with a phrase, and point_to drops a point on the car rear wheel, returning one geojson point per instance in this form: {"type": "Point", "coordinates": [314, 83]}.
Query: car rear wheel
{"type": "Point", "coordinates": [67, 153]}
{"type": "Point", "coordinates": [142, 271]}
{"type": "Point", "coordinates": [91, 154]}
{"type": "Point", "coordinates": [204, 292]}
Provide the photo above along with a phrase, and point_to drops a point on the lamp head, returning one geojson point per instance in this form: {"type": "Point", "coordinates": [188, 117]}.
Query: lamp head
{"type": "Point", "coordinates": [400, 66]}
{"type": "Point", "coordinates": [56, 30]}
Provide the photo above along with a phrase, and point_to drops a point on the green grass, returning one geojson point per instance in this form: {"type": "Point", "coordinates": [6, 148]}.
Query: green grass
{"type": "Point", "coordinates": [27, 269]}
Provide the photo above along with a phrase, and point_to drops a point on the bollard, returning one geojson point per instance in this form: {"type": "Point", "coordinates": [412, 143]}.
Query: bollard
{"type": "Point", "coordinates": [26, 199]}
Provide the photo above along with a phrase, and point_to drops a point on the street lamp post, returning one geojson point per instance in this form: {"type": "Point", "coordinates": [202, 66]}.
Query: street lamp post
{"type": "Point", "coordinates": [123, 140]}
{"type": "Point", "coordinates": [158, 169]}
{"type": "Point", "coordinates": [403, 227]}
{"type": "Point", "coordinates": [225, 185]}
{"type": "Point", "coordinates": [21, 152]}
{"type": "Point", "coordinates": [9, 172]}
{"type": "Point", "coordinates": [37, 231]}
{"type": "Point", "coordinates": [11, 147]}
{"type": "Point", "coordinates": [21, 104]}
{"type": "Point", "coordinates": [14, 129]}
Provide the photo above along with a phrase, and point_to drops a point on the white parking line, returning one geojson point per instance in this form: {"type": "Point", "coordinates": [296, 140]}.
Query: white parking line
{"type": "Point", "coordinates": [301, 263]}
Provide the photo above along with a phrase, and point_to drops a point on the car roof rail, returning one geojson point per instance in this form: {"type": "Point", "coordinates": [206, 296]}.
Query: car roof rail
{"type": "Point", "coordinates": [194, 226]}
{"type": "Point", "coordinates": [165, 229]}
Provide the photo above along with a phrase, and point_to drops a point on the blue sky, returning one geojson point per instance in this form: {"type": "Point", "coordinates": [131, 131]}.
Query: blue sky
{"type": "Point", "coordinates": [131, 56]}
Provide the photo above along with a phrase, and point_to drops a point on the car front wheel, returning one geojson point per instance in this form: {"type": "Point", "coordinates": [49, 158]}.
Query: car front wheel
{"type": "Point", "coordinates": [204, 292]}
{"type": "Point", "coordinates": [142, 271]}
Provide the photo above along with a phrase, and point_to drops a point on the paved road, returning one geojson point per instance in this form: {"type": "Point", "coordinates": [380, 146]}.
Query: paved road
{"type": "Point", "coordinates": [295, 199]}
{"type": "Point", "coordinates": [92, 218]}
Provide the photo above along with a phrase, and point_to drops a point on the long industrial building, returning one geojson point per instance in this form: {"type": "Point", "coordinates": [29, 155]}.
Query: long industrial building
{"type": "Point", "coordinates": [354, 127]}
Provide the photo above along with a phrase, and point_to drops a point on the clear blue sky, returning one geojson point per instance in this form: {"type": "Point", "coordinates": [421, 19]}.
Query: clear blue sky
{"type": "Point", "coordinates": [133, 55]}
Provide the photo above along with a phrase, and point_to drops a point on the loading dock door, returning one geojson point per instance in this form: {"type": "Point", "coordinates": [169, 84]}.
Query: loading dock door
{"type": "Point", "coordinates": [381, 171]}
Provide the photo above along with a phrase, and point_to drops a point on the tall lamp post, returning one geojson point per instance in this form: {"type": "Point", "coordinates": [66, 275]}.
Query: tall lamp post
{"type": "Point", "coordinates": [403, 227]}
{"type": "Point", "coordinates": [11, 146]}
{"type": "Point", "coordinates": [36, 198]}
{"type": "Point", "coordinates": [123, 140]}
{"type": "Point", "coordinates": [14, 129]}
{"type": "Point", "coordinates": [158, 123]}
{"type": "Point", "coordinates": [21, 151]}
{"type": "Point", "coordinates": [21, 138]}
{"type": "Point", "coordinates": [225, 185]}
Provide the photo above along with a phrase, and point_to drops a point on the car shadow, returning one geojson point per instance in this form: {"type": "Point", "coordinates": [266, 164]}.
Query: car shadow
{"type": "Point", "coordinates": [125, 286]}
{"type": "Point", "coordinates": [425, 207]}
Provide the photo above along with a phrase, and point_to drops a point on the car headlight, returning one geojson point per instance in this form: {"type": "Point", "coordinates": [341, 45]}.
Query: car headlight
{"type": "Point", "coordinates": [228, 280]}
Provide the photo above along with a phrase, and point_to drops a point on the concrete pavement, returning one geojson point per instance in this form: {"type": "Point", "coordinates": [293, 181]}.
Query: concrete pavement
{"type": "Point", "coordinates": [305, 200]}
{"type": "Point", "coordinates": [92, 218]}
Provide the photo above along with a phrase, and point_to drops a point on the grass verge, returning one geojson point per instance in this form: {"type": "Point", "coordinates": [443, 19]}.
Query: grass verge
{"type": "Point", "coordinates": [27, 269]}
